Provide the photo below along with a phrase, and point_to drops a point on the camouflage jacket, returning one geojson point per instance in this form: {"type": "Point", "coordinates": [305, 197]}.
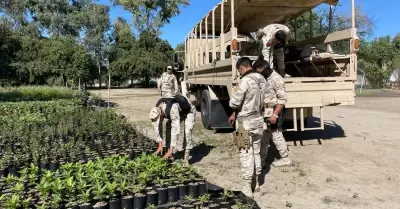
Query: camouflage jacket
{"type": "Point", "coordinates": [270, 30]}
{"type": "Point", "coordinates": [275, 93]}
{"type": "Point", "coordinates": [249, 97]}
{"type": "Point", "coordinates": [168, 83]}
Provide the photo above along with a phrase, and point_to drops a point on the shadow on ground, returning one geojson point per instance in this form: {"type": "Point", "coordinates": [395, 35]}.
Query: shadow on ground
{"type": "Point", "coordinates": [198, 153]}
{"type": "Point", "coordinates": [331, 130]}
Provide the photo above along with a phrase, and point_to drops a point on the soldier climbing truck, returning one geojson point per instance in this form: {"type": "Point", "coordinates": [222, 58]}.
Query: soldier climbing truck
{"type": "Point", "coordinates": [226, 33]}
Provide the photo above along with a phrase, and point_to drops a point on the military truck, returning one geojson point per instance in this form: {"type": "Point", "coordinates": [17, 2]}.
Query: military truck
{"type": "Point", "coordinates": [224, 35]}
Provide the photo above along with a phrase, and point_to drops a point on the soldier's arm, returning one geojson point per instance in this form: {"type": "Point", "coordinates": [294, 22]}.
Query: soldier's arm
{"type": "Point", "coordinates": [157, 126]}
{"type": "Point", "coordinates": [238, 97]}
{"type": "Point", "coordinates": [175, 124]}
{"type": "Point", "coordinates": [280, 90]}
{"type": "Point", "coordinates": [176, 85]}
{"type": "Point", "coordinates": [159, 83]}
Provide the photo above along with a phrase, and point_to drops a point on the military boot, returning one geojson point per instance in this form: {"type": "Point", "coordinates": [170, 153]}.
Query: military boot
{"type": "Point", "coordinates": [247, 188]}
{"type": "Point", "coordinates": [285, 161]}
{"type": "Point", "coordinates": [186, 157]}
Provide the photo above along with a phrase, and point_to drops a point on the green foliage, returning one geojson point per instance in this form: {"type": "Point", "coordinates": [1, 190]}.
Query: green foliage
{"type": "Point", "coordinates": [378, 59]}
{"type": "Point", "coordinates": [151, 54]}
{"type": "Point", "coordinates": [151, 14]}
{"type": "Point", "coordinates": [29, 93]}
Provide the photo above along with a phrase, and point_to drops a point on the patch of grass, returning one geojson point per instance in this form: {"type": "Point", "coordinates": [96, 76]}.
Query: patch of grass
{"type": "Point", "coordinates": [366, 92]}
{"type": "Point", "coordinates": [327, 200]}
{"type": "Point", "coordinates": [37, 93]}
{"type": "Point", "coordinates": [209, 137]}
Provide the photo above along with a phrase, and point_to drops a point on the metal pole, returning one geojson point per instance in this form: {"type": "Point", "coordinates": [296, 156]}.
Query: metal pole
{"type": "Point", "coordinates": [329, 47]}
{"type": "Point", "coordinates": [109, 86]}
{"type": "Point", "coordinates": [362, 83]}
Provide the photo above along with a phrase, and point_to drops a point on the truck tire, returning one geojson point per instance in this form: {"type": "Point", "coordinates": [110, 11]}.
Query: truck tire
{"type": "Point", "coordinates": [205, 109]}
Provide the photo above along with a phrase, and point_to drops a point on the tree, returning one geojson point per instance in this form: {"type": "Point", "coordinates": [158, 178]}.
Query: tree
{"type": "Point", "coordinates": [377, 58]}
{"type": "Point", "coordinates": [9, 46]}
{"type": "Point", "coordinates": [96, 38]}
{"type": "Point", "coordinates": [151, 14]}
{"type": "Point", "coordinates": [340, 21]}
{"type": "Point", "coordinates": [180, 55]}
{"type": "Point", "coordinates": [122, 62]}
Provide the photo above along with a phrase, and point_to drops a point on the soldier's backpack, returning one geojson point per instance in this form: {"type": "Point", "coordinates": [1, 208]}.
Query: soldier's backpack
{"type": "Point", "coordinates": [169, 101]}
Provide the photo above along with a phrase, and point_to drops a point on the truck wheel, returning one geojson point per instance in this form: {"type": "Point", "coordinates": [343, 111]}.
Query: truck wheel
{"type": "Point", "coordinates": [205, 109]}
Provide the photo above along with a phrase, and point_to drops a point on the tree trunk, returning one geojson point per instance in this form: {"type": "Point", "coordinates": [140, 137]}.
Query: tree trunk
{"type": "Point", "coordinates": [98, 64]}
{"type": "Point", "coordinates": [146, 82]}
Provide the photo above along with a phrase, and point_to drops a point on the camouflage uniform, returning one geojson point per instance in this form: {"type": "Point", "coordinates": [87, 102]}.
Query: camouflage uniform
{"type": "Point", "coordinates": [173, 124]}
{"type": "Point", "coordinates": [168, 85]}
{"type": "Point", "coordinates": [275, 94]}
{"type": "Point", "coordinates": [269, 43]}
{"type": "Point", "coordinates": [248, 99]}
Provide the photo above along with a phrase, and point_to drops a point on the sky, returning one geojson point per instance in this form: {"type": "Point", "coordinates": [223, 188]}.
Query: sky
{"type": "Point", "coordinates": [384, 13]}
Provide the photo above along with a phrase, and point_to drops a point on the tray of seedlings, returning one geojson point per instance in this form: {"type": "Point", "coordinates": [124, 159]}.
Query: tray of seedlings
{"type": "Point", "coordinates": [51, 133]}
{"type": "Point", "coordinates": [115, 182]}
{"type": "Point", "coordinates": [58, 150]}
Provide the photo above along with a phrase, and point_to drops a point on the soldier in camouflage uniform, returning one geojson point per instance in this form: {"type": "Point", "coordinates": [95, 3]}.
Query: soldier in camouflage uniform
{"type": "Point", "coordinates": [168, 84]}
{"type": "Point", "coordinates": [247, 102]}
{"type": "Point", "coordinates": [175, 109]}
{"type": "Point", "coordinates": [275, 37]}
{"type": "Point", "coordinates": [275, 100]}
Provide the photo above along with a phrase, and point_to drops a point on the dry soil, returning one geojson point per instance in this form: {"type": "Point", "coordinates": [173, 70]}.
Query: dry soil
{"type": "Point", "coordinates": [353, 163]}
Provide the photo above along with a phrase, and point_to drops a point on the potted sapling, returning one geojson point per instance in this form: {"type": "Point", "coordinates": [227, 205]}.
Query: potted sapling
{"type": "Point", "coordinates": [226, 199]}
{"type": "Point", "coordinates": [127, 199]}
{"type": "Point", "coordinates": [70, 190]}
{"type": "Point", "coordinates": [204, 200]}
{"type": "Point", "coordinates": [54, 164]}
{"type": "Point", "coordinates": [27, 203]}
{"type": "Point", "coordinates": [139, 200]}
{"type": "Point", "coordinates": [114, 202]}
{"type": "Point", "coordinates": [182, 187]}
{"type": "Point", "coordinates": [187, 202]}
{"type": "Point", "coordinates": [44, 190]}
{"type": "Point", "coordinates": [14, 202]}
{"type": "Point", "coordinates": [55, 201]}
{"type": "Point", "coordinates": [84, 199]}
{"type": "Point", "coordinates": [2, 167]}
{"type": "Point", "coordinates": [44, 161]}
{"type": "Point", "coordinates": [99, 192]}
{"type": "Point", "coordinates": [18, 188]}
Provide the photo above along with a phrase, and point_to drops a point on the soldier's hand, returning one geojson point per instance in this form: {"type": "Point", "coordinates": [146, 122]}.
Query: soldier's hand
{"type": "Point", "coordinates": [231, 119]}
{"type": "Point", "coordinates": [272, 119]}
{"type": "Point", "coordinates": [159, 149]}
{"type": "Point", "coordinates": [168, 154]}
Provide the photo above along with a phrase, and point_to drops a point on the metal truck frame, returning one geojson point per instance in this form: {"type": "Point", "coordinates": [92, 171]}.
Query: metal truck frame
{"type": "Point", "coordinates": [210, 77]}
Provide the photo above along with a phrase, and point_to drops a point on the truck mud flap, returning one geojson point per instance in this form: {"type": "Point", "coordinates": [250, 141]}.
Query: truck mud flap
{"type": "Point", "coordinates": [220, 112]}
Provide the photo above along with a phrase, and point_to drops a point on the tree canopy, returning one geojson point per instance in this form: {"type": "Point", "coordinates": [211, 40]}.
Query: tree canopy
{"type": "Point", "coordinates": [63, 42]}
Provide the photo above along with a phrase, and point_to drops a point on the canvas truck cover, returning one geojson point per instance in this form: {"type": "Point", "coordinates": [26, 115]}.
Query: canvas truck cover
{"type": "Point", "coordinates": [251, 15]}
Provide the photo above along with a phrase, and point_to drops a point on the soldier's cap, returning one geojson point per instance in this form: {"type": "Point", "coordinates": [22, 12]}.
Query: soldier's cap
{"type": "Point", "coordinates": [169, 67]}
{"type": "Point", "coordinates": [154, 113]}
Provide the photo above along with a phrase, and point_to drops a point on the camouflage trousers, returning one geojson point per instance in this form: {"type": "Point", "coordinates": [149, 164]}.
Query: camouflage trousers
{"type": "Point", "coordinates": [278, 140]}
{"type": "Point", "coordinates": [173, 139]}
{"type": "Point", "coordinates": [270, 53]}
{"type": "Point", "coordinates": [251, 158]}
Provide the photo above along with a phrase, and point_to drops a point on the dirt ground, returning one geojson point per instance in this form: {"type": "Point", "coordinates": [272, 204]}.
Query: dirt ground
{"type": "Point", "coordinates": [353, 163]}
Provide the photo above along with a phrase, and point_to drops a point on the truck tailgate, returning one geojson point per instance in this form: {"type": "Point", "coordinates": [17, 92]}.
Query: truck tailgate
{"type": "Point", "coordinates": [317, 94]}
